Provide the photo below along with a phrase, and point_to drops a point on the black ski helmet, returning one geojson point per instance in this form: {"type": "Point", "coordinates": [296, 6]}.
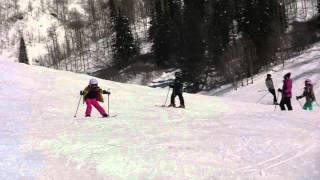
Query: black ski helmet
{"type": "Point", "coordinates": [177, 74]}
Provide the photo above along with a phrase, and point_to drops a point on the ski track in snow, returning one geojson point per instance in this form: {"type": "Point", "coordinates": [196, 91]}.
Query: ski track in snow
{"type": "Point", "coordinates": [230, 137]}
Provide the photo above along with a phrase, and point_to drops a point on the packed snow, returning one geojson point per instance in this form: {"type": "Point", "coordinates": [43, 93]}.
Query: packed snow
{"type": "Point", "coordinates": [226, 137]}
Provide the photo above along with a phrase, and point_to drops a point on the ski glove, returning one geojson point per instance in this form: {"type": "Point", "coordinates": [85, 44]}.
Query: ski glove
{"type": "Point", "coordinates": [106, 92]}
{"type": "Point", "coordinates": [81, 93]}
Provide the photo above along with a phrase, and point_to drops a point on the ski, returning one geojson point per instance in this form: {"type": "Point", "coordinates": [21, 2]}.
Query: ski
{"type": "Point", "coordinates": [164, 106]}
{"type": "Point", "coordinates": [180, 107]}
{"type": "Point", "coordinates": [111, 116]}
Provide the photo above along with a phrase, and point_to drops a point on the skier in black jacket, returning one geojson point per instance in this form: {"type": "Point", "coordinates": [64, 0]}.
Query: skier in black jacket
{"type": "Point", "coordinates": [177, 91]}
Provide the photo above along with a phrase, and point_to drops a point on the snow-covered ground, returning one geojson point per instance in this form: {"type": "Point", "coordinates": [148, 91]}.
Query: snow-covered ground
{"type": "Point", "coordinates": [228, 137]}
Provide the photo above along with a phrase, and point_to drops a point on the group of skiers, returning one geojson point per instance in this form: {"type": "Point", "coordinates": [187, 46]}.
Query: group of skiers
{"type": "Point", "coordinates": [286, 92]}
{"type": "Point", "coordinates": [92, 94]}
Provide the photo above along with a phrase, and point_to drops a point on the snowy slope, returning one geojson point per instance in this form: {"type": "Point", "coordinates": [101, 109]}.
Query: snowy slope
{"type": "Point", "coordinates": [214, 138]}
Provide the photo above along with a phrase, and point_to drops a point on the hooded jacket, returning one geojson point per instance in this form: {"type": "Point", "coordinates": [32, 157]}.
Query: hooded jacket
{"type": "Point", "coordinates": [93, 92]}
{"type": "Point", "coordinates": [308, 93]}
{"type": "Point", "coordinates": [287, 88]}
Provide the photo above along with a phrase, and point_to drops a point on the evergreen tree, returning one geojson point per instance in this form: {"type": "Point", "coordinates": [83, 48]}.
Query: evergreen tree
{"type": "Point", "coordinates": [112, 8]}
{"type": "Point", "coordinates": [165, 31]}
{"type": "Point", "coordinates": [193, 60]}
{"type": "Point", "coordinates": [23, 57]}
{"type": "Point", "coordinates": [220, 26]}
{"type": "Point", "coordinates": [158, 33]}
{"type": "Point", "coordinates": [257, 19]}
{"type": "Point", "coordinates": [176, 28]}
{"type": "Point", "coordinates": [124, 45]}
{"type": "Point", "coordinates": [318, 13]}
{"type": "Point", "coordinates": [283, 22]}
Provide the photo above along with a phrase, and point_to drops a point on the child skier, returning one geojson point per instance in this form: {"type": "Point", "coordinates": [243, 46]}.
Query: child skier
{"type": "Point", "coordinates": [177, 91]}
{"type": "Point", "coordinates": [286, 93]}
{"type": "Point", "coordinates": [270, 86]}
{"type": "Point", "coordinates": [91, 95]}
{"type": "Point", "coordinates": [309, 94]}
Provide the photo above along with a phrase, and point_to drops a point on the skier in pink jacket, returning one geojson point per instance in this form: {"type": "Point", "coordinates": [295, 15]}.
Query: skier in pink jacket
{"type": "Point", "coordinates": [286, 93]}
{"type": "Point", "coordinates": [92, 95]}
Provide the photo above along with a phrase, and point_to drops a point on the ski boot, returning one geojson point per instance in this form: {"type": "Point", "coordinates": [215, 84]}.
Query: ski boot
{"type": "Point", "coordinates": [182, 106]}
{"type": "Point", "coordinates": [105, 115]}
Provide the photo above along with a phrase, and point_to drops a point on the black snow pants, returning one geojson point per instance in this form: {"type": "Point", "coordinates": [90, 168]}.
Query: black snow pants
{"type": "Point", "coordinates": [173, 96]}
{"type": "Point", "coordinates": [273, 92]}
{"type": "Point", "coordinates": [286, 101]}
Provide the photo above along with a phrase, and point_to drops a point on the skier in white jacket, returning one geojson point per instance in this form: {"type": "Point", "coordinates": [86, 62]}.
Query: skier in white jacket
{"type": "Point", "coordinates": [270, 86]}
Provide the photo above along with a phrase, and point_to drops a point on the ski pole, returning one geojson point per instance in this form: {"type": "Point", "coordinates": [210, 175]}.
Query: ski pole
{"type": "Point", "coordinates": [107, 92]}
{"type": "Point", "coordinates": [167, 97]}
{"type": "Point", "coordinates": [108, 104]}
{"type": "Point", "coordinates": [299, 103]}
{"type": "Point", "coordinates": [262, 97]}
{"type": "Point", "coordinates": [275, 106]}
{"type": "Point", "coordinates": [75, 115]}
{"type": "Point", "coordinates": [262, 90]}
{"type": "Point", "coordinates": [277, 96]}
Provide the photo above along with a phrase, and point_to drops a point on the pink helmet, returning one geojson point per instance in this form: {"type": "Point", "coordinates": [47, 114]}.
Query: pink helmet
{"type": "Point", "coordinates": [308, 81]}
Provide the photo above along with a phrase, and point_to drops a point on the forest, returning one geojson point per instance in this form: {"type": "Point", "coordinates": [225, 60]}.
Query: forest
{"type": "Point", "coordinates": [212, 42]}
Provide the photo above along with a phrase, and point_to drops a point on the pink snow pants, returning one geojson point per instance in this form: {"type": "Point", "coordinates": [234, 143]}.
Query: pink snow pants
{"type": "Point", "coordinates": [94, 102]}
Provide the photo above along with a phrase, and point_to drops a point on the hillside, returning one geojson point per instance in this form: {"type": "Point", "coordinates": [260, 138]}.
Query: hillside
{"type": "Point", "coordinates": [53, 40]}
{"type": "Point", "coordinates": [305, 66]}
{"type": "Point", "coordinates": [228, 137]}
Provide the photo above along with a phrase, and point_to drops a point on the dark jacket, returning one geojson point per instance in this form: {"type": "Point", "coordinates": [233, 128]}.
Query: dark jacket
{"type": "Point", "coordinates": [93, 92]}
{"type": "Point", "coordinates": [177, 85]}
{"type": "Point", "coordinates": [308, 93]}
